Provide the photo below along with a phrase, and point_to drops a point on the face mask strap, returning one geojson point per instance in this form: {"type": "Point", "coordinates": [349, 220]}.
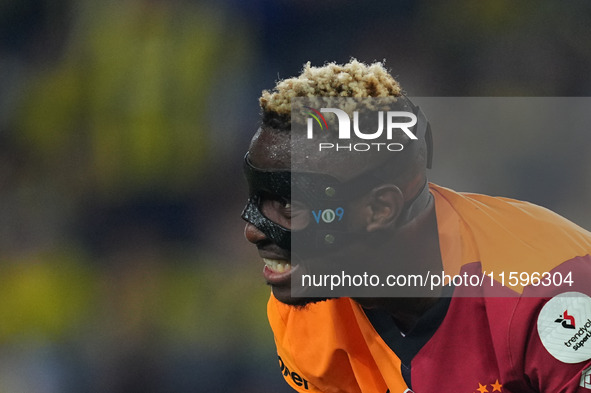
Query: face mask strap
{"type": "Point", "coordinates": [423, 130]}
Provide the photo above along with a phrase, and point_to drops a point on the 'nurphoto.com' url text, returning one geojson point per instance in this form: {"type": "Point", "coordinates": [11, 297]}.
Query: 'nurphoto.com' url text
{"type": "Point", "coordinates": [432, 281]}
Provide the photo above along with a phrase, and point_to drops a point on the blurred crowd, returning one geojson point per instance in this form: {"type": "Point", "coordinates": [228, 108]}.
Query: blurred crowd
{"type": "Point", "coordinates": [123, 125]}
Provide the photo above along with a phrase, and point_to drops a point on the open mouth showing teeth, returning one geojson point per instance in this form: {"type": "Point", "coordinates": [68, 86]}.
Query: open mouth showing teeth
{"type": "Point", "coordinates": [277, 266]}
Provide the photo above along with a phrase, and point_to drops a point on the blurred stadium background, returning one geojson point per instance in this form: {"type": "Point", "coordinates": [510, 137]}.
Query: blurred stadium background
{"type": "Point", "coordinates": [122, 130]}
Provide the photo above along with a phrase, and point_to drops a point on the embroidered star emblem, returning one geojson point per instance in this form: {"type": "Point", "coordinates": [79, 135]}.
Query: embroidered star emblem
{"type": "Point", "coordinates": [482, 388]}
{"type": "Point", "coordinates": [496, 386]}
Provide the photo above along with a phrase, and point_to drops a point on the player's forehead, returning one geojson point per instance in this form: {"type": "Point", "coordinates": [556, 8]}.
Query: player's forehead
{"type": "Point", "coordinates": [270, 149]}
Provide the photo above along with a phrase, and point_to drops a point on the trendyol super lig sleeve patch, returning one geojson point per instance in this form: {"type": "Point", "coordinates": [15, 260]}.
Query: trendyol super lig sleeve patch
{"type": "Point", "coordinates": [564, 326]}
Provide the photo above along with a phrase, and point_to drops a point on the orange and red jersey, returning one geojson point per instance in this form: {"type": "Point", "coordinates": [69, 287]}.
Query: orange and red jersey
{"type": "Point", "coordinates": [481, 339]}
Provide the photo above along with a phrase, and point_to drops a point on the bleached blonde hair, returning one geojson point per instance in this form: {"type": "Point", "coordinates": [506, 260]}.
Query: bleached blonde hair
{"type": "Point", "coordinates": [354, 79]}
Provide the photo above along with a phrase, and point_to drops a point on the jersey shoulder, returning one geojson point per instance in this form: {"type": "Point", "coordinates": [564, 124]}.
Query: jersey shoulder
{"type": "Point", "coordinates": [507, 232]}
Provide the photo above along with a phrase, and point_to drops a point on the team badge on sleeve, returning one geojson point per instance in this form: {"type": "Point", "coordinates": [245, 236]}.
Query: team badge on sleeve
{"type": "Point", "coordinates": [564, 326]}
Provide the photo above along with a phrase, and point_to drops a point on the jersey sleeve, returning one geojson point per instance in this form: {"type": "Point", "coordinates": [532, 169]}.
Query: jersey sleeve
{"type": "Point", "coordinates": [555, 332]}
{"type": "Point", "coordinates": [550, 375]}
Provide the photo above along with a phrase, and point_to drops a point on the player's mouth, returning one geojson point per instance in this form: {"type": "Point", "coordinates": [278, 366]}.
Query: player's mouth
{"type": "Point", "coordinates": [277, 271]}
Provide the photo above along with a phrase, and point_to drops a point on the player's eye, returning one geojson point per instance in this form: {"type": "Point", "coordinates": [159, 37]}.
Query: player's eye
{"type": "Point", "coordinates": [283, 211]}
{"type": "Point", "coordinates": [275, 207]}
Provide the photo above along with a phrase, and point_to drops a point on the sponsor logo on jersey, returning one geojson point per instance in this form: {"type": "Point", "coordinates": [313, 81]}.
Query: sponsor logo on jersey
{"type": "Point", "coordinates": [579, 339]}
{"type": "Point", "coordinates": [295, 377]}
{"type": "Point", "coordinates": [567, 321]}
{"type": "Point", "coordinates": [567, 338]}
{"type": "Point", "coordinates": [586, 378]}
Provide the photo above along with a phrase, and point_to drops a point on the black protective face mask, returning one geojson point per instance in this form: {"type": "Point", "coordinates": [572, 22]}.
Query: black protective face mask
{"type": "Point", "coordinates": [325, 196]}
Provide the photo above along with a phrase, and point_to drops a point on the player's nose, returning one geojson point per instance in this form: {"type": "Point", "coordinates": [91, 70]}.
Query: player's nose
{"type": "Point", "coordinates": [252, 234]}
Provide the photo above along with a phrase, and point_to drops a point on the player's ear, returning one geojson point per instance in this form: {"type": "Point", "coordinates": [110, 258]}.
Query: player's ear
{"type": "Point", "coordinates": [385, 205]}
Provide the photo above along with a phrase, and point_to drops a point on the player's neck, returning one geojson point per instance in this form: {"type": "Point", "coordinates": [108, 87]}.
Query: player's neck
{"type": "Point", "coordinates": [421, 238]}
{"type": "Point", "coordinates": [407, 319]}
{"type": "Point", "coordinates": [416, 248]}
